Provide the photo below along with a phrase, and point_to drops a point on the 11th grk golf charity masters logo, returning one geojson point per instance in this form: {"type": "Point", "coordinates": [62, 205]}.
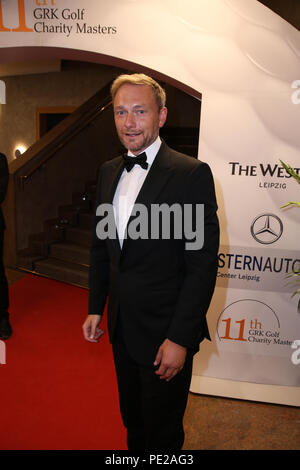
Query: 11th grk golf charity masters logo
{"type": "Point", "coordinates": [49, 16]}
{"type": "Point", "coordinates": [250, 325]}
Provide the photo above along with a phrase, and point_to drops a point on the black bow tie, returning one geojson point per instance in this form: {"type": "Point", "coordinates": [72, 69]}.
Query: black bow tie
{"type": "Point", "coordinates": [141, 160]}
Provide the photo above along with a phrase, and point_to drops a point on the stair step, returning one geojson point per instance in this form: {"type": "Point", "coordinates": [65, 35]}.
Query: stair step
{"type": "Point", "coordinates": [67, 215]}
{"type": "Point", "coordinates": [72, 252]}
{"type": "Point", "coordinates": [81, 200]}
{"type": "Point", "coordinates": [86, 220]}
{"type": "Point", "coordinates": [79, 236]}
{"type": "Point", "coordinates": [26, 259]}
{"type": "Point", "coordinates": [63, 271]}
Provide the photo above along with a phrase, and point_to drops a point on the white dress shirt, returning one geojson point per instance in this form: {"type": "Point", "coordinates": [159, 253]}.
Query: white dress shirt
{"type": "Point", "coordinates": [128, 188]}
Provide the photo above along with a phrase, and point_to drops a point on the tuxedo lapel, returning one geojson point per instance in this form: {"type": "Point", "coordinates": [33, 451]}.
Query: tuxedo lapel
{"type": "Point", "coordinates": [108, 196]}
{"type": "Point", "coordinates": [157, 177]}
{"type": "Point", "coordinates": [113, 180]}
{"type": "Point", "coordinates": [155, 181]}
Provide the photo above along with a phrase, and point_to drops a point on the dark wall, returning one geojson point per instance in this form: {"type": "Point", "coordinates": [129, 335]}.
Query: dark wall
{"type": "Point", "coordinates": [287, 9]}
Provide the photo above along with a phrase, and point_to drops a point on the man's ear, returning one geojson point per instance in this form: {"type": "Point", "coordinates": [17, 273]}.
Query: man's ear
{"type": "Point", "coordinates": [163, 116]}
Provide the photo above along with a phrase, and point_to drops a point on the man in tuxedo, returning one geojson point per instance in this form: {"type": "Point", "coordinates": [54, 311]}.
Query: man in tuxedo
{"type": "Point", "coordinates": [159, 287]}
{"type": "Point", "coordinates": [5, 327]}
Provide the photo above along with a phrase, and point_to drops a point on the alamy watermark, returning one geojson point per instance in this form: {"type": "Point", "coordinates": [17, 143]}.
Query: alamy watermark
{"type": "Point", "coordinates": [296, 354]}
{"type": "Point", "coordinates": [296, 94]}
{"type": "Point", "coordinates": [2, 92]}
{"type": "Point", "coordinates": [2, 352]}
{"type": "Point", "coordinates": [181, 222]}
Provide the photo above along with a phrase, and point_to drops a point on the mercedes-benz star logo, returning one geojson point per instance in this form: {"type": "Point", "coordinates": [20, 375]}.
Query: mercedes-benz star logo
{"type": "Point", "coordinates": [266, 229]}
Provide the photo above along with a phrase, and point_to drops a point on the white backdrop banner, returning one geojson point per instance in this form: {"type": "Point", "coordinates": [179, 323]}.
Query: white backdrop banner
{"type": "Point", "coordinates": [245, 60]}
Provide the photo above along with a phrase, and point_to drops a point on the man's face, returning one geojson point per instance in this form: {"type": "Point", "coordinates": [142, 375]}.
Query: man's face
{"type": "Point", "coordinates": [137, 117]}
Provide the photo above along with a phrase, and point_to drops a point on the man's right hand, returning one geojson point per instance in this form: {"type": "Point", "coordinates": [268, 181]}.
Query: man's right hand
{"type": "Point", "coordinates": [91, 332]}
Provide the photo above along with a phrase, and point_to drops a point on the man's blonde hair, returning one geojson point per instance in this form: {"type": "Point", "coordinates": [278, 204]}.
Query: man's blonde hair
{"type": "Point", "coordinates": [140, 79]}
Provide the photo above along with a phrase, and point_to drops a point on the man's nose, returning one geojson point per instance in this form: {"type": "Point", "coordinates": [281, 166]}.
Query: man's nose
{"type": "Point", "coordinates": [130, 120]}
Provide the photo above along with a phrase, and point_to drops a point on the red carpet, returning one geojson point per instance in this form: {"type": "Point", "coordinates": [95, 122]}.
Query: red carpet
{"type": "Point", "coordinates": [57, 391]}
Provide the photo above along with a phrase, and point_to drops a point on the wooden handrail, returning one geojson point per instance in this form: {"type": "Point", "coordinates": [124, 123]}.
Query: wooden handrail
{"type": "Point", "coordinates": [47, 157]}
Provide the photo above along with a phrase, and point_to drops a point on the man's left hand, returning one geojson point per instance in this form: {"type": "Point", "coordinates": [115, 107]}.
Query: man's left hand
{"type": "Point", "coordinates": [171, 357]}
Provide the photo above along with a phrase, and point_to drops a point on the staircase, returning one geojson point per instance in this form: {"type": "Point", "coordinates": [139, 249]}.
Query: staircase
{"type": "Point", "coordinates": [61, 251]}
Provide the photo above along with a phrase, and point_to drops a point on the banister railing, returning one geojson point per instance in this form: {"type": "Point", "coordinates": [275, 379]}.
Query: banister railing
{"type": "Point", "coordinates": [63, 142]}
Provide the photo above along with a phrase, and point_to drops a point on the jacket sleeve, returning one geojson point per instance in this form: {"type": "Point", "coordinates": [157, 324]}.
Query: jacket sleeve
{"type": "Point", "coordinates": [4, 174]}
{"type": "Point", "coordinates": [188, 326]}
{"type": "Point", "coordinates": [99, 266]}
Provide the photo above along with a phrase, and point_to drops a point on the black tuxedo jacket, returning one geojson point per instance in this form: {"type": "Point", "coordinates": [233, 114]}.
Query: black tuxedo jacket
{"type": "Point", "coordinates": [155, 287]}
{"type": "Point", "coordinates": [3, 186]}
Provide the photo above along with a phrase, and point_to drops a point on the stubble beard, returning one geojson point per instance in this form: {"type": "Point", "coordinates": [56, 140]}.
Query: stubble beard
{"type": "Point", "coordinates": [137, 147]}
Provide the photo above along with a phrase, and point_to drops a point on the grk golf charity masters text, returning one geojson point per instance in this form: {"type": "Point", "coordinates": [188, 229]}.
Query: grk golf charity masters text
{"type": "Point", "coordinates": [48, 15]}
